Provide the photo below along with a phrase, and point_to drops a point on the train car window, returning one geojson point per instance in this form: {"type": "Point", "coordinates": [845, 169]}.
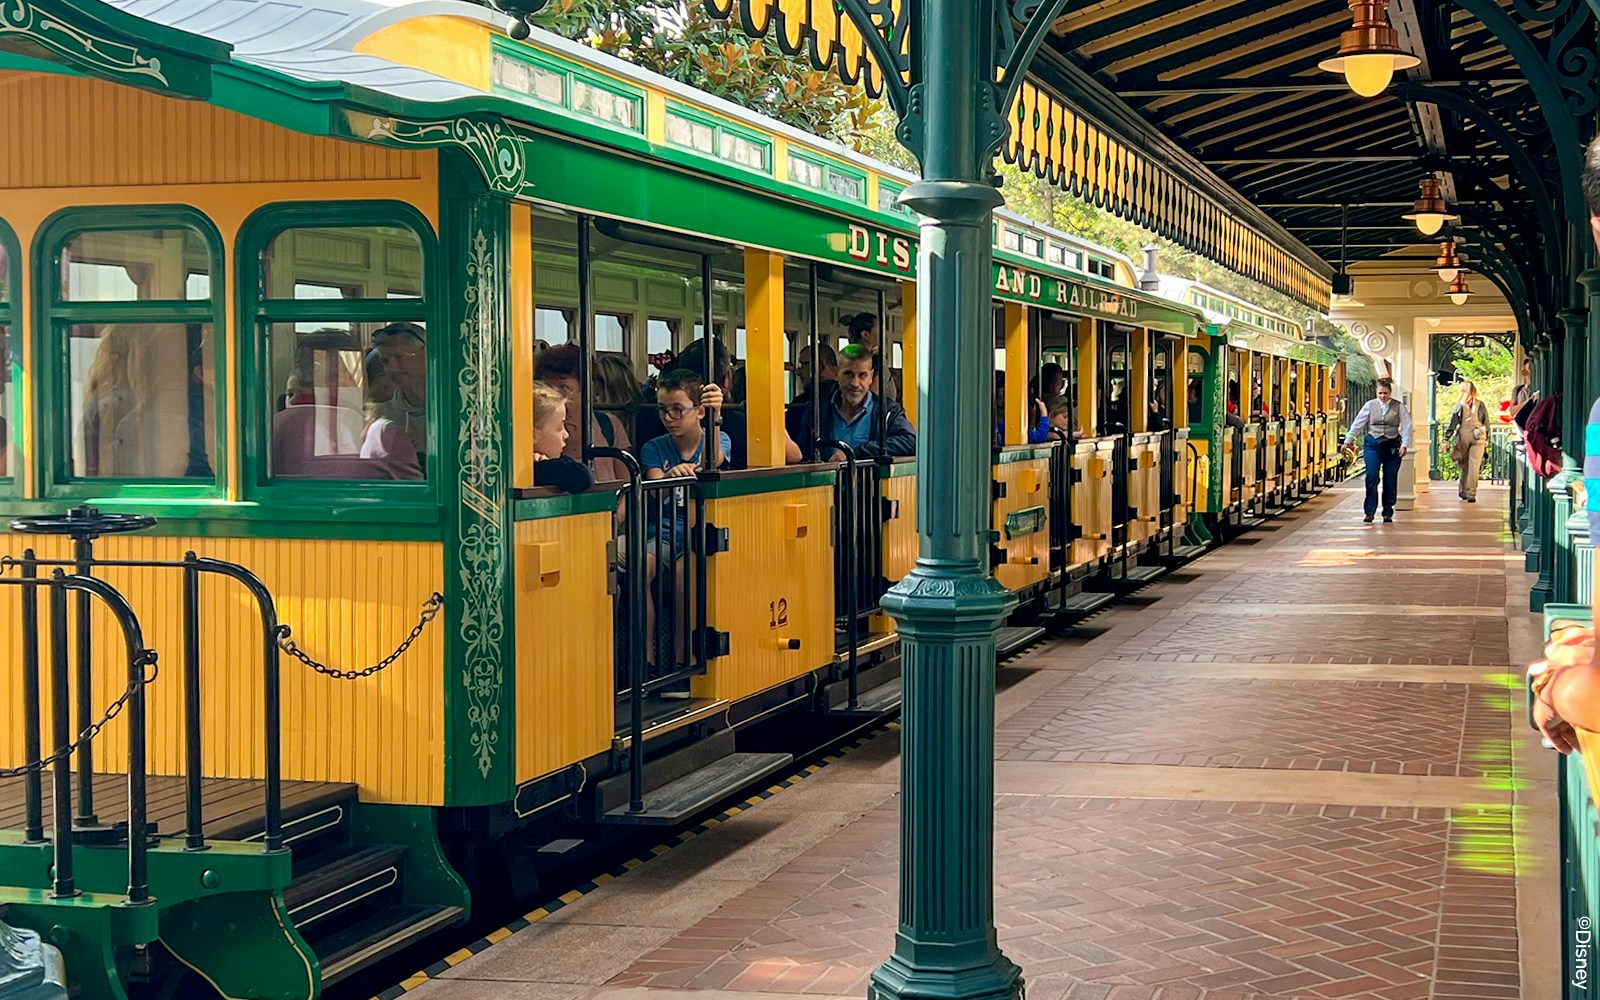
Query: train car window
{"type": "Point", "coordinates": [9, 260]}
{"type": "Point", "coordinates": [342, 335]}
{"type": "Point", "coordinates": [552, 326]}
{"type": "Point", "coordinates": [611, 332]}
{"type": "Point", "coordinates": [131, 312]}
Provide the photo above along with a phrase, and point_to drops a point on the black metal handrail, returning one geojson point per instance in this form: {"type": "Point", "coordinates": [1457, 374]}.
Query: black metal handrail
{"type": "Point", "coordinates": [858, 557]}
{"type": "Point", "coordinates": [633, 601]}
{"type": "Point", "coordinates": [272, 631]}
{"type": "Point", "coordinates": [1060, 497]}
{"type": "Point", "coordinates": [63, 879]}
{"type": "Point", "coordinates": [1167, 451]}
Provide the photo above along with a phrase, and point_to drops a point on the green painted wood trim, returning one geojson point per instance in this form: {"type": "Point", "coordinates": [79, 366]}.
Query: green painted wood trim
{"type": "Point", "coordinates": [255, 309]}
{"type": "Point", "coordinates": [564, 505]}
{"type": "Point", "coordinates": [100, 40]}
{"type": "Point", "coordinates": [53, 425]}
{"type": "Point", "coordinates": [731, 485]}
{"type": "Point", "coordinates": [10, 482]}
{"type": "Point", "coordinates": [1022, 453]}
{"type": "Point", "coordinates": [480, 703]}
{"type": "Point", "coordinates": [377, 522]}
{"type": "Point", "coordinates": [897, 470]}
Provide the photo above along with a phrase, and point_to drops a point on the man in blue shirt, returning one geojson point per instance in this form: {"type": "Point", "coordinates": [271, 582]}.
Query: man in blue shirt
{"type": "Point", "coordinates": [850, 414]}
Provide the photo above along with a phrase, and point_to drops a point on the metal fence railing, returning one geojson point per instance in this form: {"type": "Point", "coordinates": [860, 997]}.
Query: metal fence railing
{"type": "Point", "coordinates": [1498, 457]}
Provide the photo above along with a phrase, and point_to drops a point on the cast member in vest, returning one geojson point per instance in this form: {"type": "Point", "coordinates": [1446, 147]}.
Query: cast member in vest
{"type": "Point", "coordinates": [1387, 429]}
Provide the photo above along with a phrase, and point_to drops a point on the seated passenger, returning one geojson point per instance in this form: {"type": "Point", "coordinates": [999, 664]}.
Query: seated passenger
{"type": "Point", "coordinates": [827, 379]}
{"type": "Point", "coordinates": [558, 367]}
{"type": "Point", "coordinates": [403, 348]}
{"type": "Point", "coordinates": [733, 423]}
{"type": "Point", "coordinates": [1038, 429]}
{"type": "Point", "coordinates": [1064, 420]}
{"type": "Point", "coordinates": [682, 399]}
{"type": "Point", "coordinates": [849, 415]}
{"type": "Point", "coordinates": [320, 435]}
{"type": "Point", "coordinates": [551, 467]}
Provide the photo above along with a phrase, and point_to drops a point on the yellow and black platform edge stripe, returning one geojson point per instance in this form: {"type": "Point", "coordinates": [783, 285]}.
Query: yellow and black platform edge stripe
{"type": "Point", "coordinates": [537, 914]}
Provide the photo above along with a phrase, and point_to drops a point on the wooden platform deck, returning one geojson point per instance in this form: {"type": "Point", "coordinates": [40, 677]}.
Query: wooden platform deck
{"type": "Point", "coordinates": [232, 808]}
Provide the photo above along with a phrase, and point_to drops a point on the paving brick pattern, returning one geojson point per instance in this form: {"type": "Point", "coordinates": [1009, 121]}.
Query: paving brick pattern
{"type": "Point", "coordinates": [1138, 899]}
{"type": "Point", "coordinates": [1441, 589]}
{"type": "Point", "coordinates": [1375, 728]}
{"type": "Point", "coordinates": [1312, 638]}
{"type": "Point", "coordinates": [1153, 897]}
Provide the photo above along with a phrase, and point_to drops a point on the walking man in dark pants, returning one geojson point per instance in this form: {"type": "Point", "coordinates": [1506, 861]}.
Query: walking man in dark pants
{"type": "Point", "coordinates": [1387, 427]}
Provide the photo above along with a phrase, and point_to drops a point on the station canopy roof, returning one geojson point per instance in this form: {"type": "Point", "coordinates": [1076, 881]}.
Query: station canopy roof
{"type": "Point", "coordinates": [1210, 122]}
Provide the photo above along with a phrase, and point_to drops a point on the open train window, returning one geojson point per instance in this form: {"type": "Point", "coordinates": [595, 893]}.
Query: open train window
{"type": "Point", "coordinates": [10, 263]}
{"type": "Point", "coordinates": [130, 310]}
{"type": "Point", "coordinates": [342, 364]}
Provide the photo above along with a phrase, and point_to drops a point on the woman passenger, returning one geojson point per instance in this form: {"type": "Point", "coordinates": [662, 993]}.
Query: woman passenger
{"type": "Point", "coordinates": [616, 390]}
{"type": "Point", "coordinates": [1468, 432]}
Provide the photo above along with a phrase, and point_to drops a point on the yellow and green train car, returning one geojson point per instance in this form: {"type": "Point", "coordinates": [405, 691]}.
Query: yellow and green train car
{"type": "Point", "coordinates": [281, 281]}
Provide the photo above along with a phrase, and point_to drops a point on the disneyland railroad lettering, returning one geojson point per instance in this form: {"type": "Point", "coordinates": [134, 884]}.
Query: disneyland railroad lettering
{"type": "Point", "coordinates": [883, 249]}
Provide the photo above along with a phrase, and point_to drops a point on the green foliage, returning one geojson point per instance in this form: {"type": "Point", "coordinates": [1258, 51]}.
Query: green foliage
{"type": "Point", "coordinates": [677, 39]}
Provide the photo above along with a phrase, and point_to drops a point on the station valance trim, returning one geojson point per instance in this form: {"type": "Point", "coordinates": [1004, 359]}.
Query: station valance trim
{"type": "Point", "coordinates": [1052, 140]}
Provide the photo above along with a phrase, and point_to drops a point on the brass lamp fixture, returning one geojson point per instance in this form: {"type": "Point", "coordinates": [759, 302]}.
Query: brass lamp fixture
{"type": "Point", "coordinates": [1430, 211]}
{"type": "Point", "coordinates": [1448, 263]}
{"type": "Point", "coordinates": [1458, 290]}
{"type": "Point", "coordinates": [1370, 52]}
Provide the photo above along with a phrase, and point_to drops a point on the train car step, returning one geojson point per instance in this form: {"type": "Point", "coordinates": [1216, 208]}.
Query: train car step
{"type": "Point", "coordinates": [367, 877]}
{"type": "Point", "coordinates": [380, 936]}
{"type": "Point", "coordinates": [870, 704]}
{"type": "Point", "coordinates": [1184, 553]}
{"type": "Point", "coordinates": [676, 801]}
{"type": "Point", "coordinates": [1012, 638]}
{"type": "Point", "coordinates": [1079, 605]}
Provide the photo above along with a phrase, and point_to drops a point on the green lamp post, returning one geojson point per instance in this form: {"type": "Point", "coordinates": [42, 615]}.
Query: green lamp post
{"type": "Point", "coordinates": [951, 69]}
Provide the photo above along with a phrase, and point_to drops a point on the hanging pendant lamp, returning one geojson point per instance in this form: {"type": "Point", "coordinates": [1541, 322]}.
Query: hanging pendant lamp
{"type": "Point", "coordinates": [1458, 290]}
{"type": "Point", "coordinates": [1430, 211]}
{"type": "Point", "coordinates": [1370, 52]}
{"type": "Point", "coordinates": [1448, 263]}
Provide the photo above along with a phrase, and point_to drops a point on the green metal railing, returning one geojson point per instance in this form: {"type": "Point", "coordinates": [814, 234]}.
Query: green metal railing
{"type": "Point", "coordinates": [1498, 457]}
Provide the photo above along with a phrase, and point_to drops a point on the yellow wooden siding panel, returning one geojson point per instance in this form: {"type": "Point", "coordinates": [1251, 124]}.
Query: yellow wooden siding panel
{"type": "Point", "coordinates": [900, 534]}
{"type": "Point", "coordinates": [766, 564]}
{"type": "Point", "coordinates": [564, 640]}
{"type": "Point", "coordinates": [1027, 557]}
{"type": "Point", "coordinates": [349, 604]}
{"type": "Point", "coordinates": [85, 133]}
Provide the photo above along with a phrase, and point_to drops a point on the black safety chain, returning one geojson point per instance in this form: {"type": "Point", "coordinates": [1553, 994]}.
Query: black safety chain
{"type": "Point", "coordinates": [90, 732]}
{"type": "Point", "coordinates": [430, 610]}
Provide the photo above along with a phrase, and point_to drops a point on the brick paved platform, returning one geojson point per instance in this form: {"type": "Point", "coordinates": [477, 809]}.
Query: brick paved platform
{"type": "Point", "coordinates": [1242, 784]}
